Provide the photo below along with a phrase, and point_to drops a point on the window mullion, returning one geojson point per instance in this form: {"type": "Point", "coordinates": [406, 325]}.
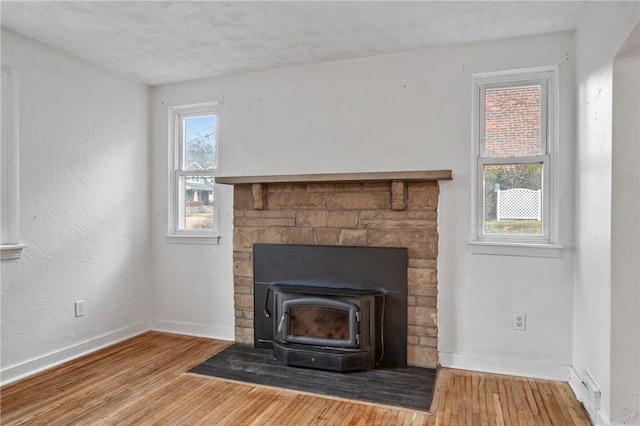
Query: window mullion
{"type": "Point", "coordinates": [482, 122]}
{"type": "Point", "coordinates": [515, 160]}
{"type": "Point", "coordinates": [480, 198]}
{"type": "Point", "coordinates": [546, 200]}
{"type": "Point", "coordinates": [181, 145]}
{"type": "Point", "coordinates": [544, 117]}
{"type": "Point", "coordinates": [179, 200]}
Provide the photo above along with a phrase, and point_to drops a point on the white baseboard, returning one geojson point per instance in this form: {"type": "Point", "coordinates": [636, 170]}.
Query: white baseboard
{"type": "Point", "coordinates": [44, 362]}
{"type": "Point", "coordinates": [575, 382]}
{"type": "Point", "coordinates": [579, 390]}
{"type": "Point", "coordinates": [596, 415]}
{"type": "Point", "coordinates": [194, 329]}
{"type": "Point", "coordinates": [497, 365]}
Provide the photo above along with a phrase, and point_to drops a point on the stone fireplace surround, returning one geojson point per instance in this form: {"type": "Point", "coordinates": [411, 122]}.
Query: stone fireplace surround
{"type": "Point", "coordinates": [390, 209]}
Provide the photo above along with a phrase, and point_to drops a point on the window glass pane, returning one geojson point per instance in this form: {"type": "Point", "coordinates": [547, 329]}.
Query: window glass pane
{"type": "Point", "coordinates": [513, 199]}
{"type": "Point", "coordinates": [512, 122]}
{"type": "Point", "coordinates": [199, 140]}
{"type": "Point", "coordinates": [196, 202]}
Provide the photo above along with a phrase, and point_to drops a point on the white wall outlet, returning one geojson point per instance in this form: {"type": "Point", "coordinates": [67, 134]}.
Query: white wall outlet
{"type": "Point", "coordinates": [519, 321]}
{"type": "Point", "coordinates": [79, 308]}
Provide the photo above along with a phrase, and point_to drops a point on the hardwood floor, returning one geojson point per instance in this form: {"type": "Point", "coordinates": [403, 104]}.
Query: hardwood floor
{"type": "Point", "coordinates": [142, 381]}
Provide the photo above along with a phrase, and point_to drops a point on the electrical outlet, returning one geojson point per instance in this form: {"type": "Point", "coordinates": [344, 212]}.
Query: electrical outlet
{"type": "Point", "coordinates": [519, 321]}
{"type": "Point", "coordinates": [79, 308]}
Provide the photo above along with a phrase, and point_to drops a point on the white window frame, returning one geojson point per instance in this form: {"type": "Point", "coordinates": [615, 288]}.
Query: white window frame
{"type": "Point", "coordinates": [545, 245]}
{"type": "Point", "coordinates": [10, 246]}
{"type": "Point", "coordinates": [176, 145]}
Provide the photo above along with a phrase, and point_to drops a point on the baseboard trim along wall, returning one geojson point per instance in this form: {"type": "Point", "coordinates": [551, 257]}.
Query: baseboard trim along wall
{"type": "Point", "coordinates": [497, 365]}
{"type": "Point", "coordinates": [44, 362]}
{"type": "Point", "coordinates": [194, 329]}
{"type": "Point", "coordinates": [588, 392]}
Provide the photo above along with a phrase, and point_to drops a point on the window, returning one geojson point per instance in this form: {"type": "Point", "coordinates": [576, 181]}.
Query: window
{"type": "Point", "coordinates": [194, 141]}
{"type": "Point", "coordinates": [10, 247]}
{"type": "Point", "coordinates": [513, 145]}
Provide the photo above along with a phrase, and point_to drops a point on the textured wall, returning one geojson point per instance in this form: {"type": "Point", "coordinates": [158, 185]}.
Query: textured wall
{"type": "Point", "coordinates": [602, 32]}
{"type": "Point", "coordinates": [408, 111]}
{"type": "Point", "coordinates": [625, 235]}
{"type": "Point", "coordinates": [84, 208]}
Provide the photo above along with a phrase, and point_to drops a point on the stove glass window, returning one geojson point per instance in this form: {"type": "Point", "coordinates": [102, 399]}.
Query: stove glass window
{"type": "Point", "coordinates": [319, 322]}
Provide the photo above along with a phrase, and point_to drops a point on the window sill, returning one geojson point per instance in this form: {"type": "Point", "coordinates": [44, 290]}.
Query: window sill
{"type": "Point", "coordinates": [515, 249]}
{"type": "Point", "coordinates": [209, 239]}
{"type": "Point", "coordinates": [13, 251]}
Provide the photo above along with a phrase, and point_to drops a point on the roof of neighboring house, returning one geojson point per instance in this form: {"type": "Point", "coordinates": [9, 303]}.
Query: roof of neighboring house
{"type": "Point", "coordinates": [201, 186]}
{"type": "Point", "coordinates": [194, 166]}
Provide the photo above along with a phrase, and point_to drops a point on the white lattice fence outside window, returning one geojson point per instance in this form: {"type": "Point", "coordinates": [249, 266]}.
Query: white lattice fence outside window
{"type": "Point", "coordinates": [519, 203]}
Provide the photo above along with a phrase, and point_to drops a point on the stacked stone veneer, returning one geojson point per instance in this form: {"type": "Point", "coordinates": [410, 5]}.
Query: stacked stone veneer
{"type": "Point", "coordinates": [348, 214]}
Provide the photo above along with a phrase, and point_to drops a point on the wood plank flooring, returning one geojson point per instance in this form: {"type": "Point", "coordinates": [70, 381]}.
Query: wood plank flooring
{"type": "Point", "coordinates": [142, 381]}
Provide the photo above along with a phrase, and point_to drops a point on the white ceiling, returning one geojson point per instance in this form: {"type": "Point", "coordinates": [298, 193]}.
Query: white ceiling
{"type": "Point", "coordinates": [158, 42]}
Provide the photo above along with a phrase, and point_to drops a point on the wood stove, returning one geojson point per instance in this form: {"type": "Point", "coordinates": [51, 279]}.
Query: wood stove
{"type": "Point", "coordinates": [334, 308]}
{"type": "Point", "coordinates": [327, 328]}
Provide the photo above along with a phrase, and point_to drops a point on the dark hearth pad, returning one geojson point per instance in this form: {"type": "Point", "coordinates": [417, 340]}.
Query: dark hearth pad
{"type": "Point", "coordinates": [408, 387]}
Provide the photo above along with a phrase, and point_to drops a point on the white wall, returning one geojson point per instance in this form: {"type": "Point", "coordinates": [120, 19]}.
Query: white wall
{"type": "Point", "coordinates": [408, 111]}
{"type": "Point", "coordinates": [84, 210]}
{"type": "Point", "coordinates": [192, 284]}
{"type": "Point", "coordinates": [625, 235]}
{"type": "Point", "coordinates": [600, 35]}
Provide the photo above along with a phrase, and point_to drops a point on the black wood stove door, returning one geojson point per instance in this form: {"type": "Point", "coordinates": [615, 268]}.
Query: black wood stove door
{"type": "Point", "coordinates": [317, 321]}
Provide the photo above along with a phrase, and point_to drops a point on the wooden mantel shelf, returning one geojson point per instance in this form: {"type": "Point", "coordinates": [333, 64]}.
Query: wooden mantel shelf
{"type": "Point", "coordinates": [410, 176]}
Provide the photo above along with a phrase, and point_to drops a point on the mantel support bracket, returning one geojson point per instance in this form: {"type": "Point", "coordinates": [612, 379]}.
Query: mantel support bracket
{"type": "Point", "coordinates": [398, 195]}
{"type": "Point", "coordinates": [259, 193]}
